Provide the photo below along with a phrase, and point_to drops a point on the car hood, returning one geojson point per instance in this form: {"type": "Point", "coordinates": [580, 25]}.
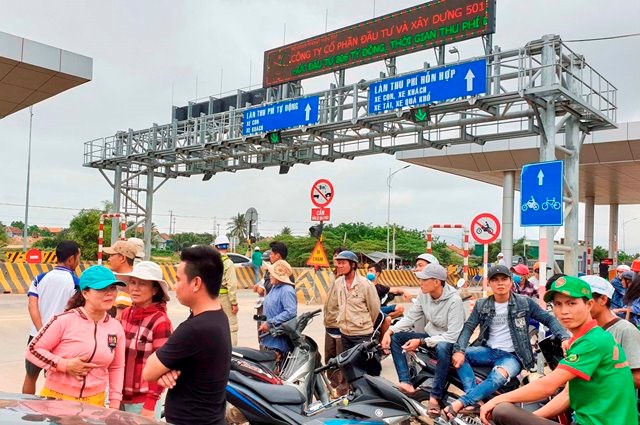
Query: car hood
{"type": "Point", "coordinates": [22, 409]}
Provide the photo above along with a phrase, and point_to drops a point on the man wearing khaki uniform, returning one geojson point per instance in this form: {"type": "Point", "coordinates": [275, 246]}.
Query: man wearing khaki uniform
{"type": "Point", "coordinates": [228, 298]}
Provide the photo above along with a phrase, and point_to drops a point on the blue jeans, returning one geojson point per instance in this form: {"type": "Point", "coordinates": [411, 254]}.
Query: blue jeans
{"type": "Point", "coordinates": [485, 356]}
{"type": "Point", "coordinates": [443, 353]}
{"type": "Point", "coordinates": [256, 273]}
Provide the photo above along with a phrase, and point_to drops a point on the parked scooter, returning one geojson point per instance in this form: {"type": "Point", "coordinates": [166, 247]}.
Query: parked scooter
{"type": "Point", "coordinates": [370, 399]}
{"type": "Point", "coordinates": [422, 370]}
{"type": "Point", "coordinates": [297, 369]}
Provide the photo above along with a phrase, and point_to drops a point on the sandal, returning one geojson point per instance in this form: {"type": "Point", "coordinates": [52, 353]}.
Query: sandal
{"type": "Point", "coordinates": [472, 410]}
{"type": "Point", "coordinates": [433, 410]}
{"type": "Point", "coordinates": [448, 413]}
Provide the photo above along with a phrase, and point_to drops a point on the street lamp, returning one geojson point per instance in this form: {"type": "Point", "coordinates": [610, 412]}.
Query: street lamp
{"type": "Point", "coordinates": [455, 50]}
{"type": "Point", "coordinates": [624, 223]}
{"type": "Point", "coordinates": [389, 205]}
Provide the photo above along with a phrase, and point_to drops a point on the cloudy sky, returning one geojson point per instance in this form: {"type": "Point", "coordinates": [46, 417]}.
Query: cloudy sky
{"type": "Point", "coordinates": [148, 55]}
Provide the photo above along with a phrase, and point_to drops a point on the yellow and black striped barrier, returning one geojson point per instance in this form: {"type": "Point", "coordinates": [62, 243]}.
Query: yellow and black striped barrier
{"type": "Point", "coordinates": [311, 285]}
{"type": "Point", "coordinates": [48, 257]}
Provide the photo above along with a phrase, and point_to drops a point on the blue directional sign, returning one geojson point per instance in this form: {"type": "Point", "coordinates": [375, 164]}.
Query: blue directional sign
{"type": "Point", "coordinates": [425, 87]}
{"type": "Point", "coordinates": [281, 115]}
{"type": "Point", "coordinates": [541, 200]}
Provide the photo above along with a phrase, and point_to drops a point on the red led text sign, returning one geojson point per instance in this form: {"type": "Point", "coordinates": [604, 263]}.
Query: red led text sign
{"type": "Point", "coordinates": [406, 31]}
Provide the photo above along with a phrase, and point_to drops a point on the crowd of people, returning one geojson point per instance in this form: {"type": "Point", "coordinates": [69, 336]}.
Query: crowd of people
{"type": "Point", "coordinates": [105, 338]}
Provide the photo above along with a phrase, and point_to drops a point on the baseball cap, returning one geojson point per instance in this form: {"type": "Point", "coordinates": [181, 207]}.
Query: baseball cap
{"type": "Point", "coordinates": [432, 271]}
{"type": "Point", "coordinates": [635, 266]}
{"type": "Point", "coordinates": [495, 270]}
{"type": "Point", "coordinates": [627, 275]}
{"type": "Point", "coordinates": [98, 277]}
{"type": "Point", "coordinates": [126, 248]}
{"type": "Point", "coordinates": [599, 285]}
{"type": "Point", "coordinates": [429, 258]}
{"type": "Point", "coordinates": [520, 269]}
{"type": "Point", "coordinates": [536, 266]}
{"type": "Point", "coordinates": [139, 244]}
{"type": "Point", "coordinates": [569, 285]}
{"type": "Point", "coordinates": [500, 255]}
{"type": "Point", "coordinates": [623, 268]}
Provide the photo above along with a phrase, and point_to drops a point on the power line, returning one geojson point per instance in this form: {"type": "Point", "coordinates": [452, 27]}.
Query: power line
{"type": "Point", "coordinates": [613, 37]}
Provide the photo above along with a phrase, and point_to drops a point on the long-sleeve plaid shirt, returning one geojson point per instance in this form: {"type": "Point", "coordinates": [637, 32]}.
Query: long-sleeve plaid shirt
{"type": "Point", "coordinates": [146, 330]}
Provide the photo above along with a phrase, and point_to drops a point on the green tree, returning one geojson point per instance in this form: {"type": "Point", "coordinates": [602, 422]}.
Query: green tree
{"type": "Point", "coordinates": [18, 224]}
{"type": "Point", "coordinates": [286, 231]}
{"type": "Point", "coordinates": [599, 254]}
{"type": "Point", "coordinates": [238, 227]}
{"type": "Point", "coordinates": [181, 241]}
{"type": "Point", "coordinates": [4, 239]}
{"type": "Point", "coordinates": [83, 229]}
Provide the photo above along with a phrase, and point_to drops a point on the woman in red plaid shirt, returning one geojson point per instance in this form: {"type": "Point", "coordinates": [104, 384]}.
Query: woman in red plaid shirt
{"type": "Point", "coordinates": [146, 327]}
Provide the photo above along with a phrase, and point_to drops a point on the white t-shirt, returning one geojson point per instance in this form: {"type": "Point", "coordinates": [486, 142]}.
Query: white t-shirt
{"type": "Point", "coordinates": [534, 281]}
{"type": "Point", "coordinates": [501, 262]}
{"type": "Point", "coordinates": [499, 335]}
{"type": "Point", "coordinates": [53, 289]}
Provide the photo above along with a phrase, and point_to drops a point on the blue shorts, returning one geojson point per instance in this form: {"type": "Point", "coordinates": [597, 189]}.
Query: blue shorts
{"type": "Point", "coordinates": [386, 309]}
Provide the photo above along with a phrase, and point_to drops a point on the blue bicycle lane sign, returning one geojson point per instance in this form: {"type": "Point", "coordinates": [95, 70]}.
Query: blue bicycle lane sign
{"type": "Point", "coordinates": [541, 190]}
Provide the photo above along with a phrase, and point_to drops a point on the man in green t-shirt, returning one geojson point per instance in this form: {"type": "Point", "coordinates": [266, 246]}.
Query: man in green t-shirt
{"type": "Point", "coordinates": [256, 263]}
{"type": "Point", "coordinates": [601, 389]}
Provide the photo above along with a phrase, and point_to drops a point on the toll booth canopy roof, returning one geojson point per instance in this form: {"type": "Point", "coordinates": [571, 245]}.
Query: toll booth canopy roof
{"type": "Point", "coordinates": [31, 72]}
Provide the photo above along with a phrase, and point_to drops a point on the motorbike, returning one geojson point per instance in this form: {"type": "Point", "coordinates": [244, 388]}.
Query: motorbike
{"type": "Point", "coordinates": [422, 371]}
{"type": "Point", "coordinates": [297, 369]}
{"type": "Point", "coordinates": [370, 400]}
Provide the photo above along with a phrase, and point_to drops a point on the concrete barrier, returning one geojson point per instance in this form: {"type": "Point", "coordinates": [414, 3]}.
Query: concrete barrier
{"type": "Point", "coordinates": [311, 286]}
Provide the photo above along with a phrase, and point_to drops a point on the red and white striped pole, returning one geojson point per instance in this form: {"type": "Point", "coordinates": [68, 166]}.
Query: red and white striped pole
{"type": "Point", "coordinates": [123, 227]}
{"type": "Point", "coordinates": [465, 250]}
{"type": "Point", "coordinates": [589, 258]}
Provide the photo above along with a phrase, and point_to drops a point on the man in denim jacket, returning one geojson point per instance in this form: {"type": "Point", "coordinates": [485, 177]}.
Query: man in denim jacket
{"type": "Point", "coordinates": [503, 342]}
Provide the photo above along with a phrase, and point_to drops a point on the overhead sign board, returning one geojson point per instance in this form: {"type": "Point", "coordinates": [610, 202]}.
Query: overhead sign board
{"type": "Point", "coordinates": [322, 193]}
{"type": "Point", "coordinates": [417, 28]}
{"type": "Point", "coordinates": [541, 194]}
{"type": "Point", "coordinates": [281, 115]}
{"type": "Point", "coordinates": [485, 228]}
{"type": "Point", "coordinates": [318, 257]}
{"type": "Point", "coordinates": [320, 214]}
{"type": "Point", "coordinates": [425, 87]}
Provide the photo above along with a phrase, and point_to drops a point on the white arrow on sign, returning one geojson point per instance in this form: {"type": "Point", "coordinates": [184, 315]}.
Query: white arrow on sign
{"type": "Point", "coordinates": [307, 111]}
{"type": "Point", "coordinates": [469, 77]}
{"type": "Point", "coordinates": [540, 177]}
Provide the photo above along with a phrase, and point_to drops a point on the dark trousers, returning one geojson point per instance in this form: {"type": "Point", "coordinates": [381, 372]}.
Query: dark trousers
{"type": "Point", "coordinates": [509, 414]}
{"type": "Point", "coordinates": [372, 366]}
{"type": "Point", "coordinates": [333, 347]}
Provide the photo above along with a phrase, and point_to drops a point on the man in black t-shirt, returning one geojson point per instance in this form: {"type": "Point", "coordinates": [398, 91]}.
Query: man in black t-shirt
{"type": "Point", "coordinates": [194, 363]}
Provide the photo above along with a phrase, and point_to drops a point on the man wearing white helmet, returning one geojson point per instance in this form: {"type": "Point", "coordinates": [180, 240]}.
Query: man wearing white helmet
{"type": "Point", "coordinates": [228, 298]}
{"type": "Point", "coordinates": [501, 261]}
{"type": "Point", "coordinates": [424, 259]}
{"type": "Point", "coordinates": [616, 282]}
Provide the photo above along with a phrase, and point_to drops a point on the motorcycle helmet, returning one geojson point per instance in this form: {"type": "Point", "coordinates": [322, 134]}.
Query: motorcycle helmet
{"type": "Point", "coordinates": [347, 255]}
{"type": "Point", "coordinates": [429, 258]}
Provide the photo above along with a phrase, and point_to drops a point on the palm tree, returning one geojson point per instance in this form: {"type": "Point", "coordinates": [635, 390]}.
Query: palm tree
{"type": "Point", "coordinates": [238, 227]}
{"type": "Point", "coordinates": [286, 231]}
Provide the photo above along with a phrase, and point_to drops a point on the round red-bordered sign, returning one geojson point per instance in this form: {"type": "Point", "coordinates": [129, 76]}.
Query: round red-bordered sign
{"type": "Point", "coordinates": [485, 228]}
{"type": "Point", "coordinates": [33, 256]}
{"type": "Point", "coordinates": [322, 193]}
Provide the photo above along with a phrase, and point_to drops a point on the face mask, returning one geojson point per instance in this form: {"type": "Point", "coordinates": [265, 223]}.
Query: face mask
{"type": "Point", "coordinates": [517, 279]}
{"type": "Point", "coordinates": [371, 276]}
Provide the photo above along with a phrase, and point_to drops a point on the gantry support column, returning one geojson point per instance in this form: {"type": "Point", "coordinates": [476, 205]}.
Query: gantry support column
{"type": "Point", "coordinates": [589, 208]}
{"type": "Point", "coordinates": [148, 213]}
{"type": "Point", "coordinates": [613, 234]}
{"type": "Point", "coordinates": [508, 179]}
{"type": "Point", "coordinates": [117, 196]}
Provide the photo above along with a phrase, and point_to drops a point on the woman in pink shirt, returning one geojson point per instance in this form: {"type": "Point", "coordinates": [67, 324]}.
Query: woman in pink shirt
{"type": "Point", "coordinates": [82, 349]}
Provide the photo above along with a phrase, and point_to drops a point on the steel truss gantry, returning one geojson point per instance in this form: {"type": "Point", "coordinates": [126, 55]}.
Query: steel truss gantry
{"type": "Point", "coordinates": [542, 80]}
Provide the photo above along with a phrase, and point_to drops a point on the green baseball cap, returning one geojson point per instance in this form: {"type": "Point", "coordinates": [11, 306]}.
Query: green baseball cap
{"type": "Point", "coordinates": [98, 277]}
{"type": "Point", "coordinates": [570, 286]}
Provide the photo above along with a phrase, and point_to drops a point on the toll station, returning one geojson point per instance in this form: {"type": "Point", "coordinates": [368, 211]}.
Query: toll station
{"type": "Point", "coordinates": [481, 117]}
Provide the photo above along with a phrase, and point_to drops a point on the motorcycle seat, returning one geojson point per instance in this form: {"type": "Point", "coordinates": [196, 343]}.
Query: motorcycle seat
{"type": "Point", "coordinates": [255, 355]}
{"type": "Point", "coordinates": [277, 394]}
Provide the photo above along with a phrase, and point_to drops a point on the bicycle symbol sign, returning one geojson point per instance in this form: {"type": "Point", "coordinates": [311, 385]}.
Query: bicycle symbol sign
{"type": "Point", "coordinates": [541, 191]}
{"type": "Point", "coordinates": [485, 228]}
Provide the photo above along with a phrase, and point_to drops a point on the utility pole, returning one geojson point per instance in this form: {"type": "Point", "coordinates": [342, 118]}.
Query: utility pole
{"type": "Point", "coordinates": [170, 222]}
{"type": "Point", "coordinates": [25, 230]}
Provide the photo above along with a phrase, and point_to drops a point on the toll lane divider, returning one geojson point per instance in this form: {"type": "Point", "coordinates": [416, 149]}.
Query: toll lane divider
{"type": "Point", "coordinates": [311, 286]}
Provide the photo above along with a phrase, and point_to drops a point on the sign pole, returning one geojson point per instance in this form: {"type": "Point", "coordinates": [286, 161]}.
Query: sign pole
{"type": "Point", "coordinates": [485, 271]}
